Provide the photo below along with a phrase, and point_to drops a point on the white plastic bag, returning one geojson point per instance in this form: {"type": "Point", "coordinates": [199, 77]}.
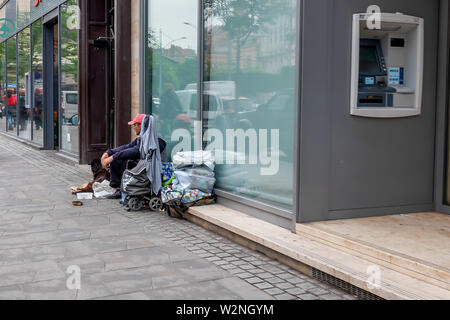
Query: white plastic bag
{"type": "Point", "coordinates": [193, 159]}
{"type": "Point", "coordinates": [103, 190]}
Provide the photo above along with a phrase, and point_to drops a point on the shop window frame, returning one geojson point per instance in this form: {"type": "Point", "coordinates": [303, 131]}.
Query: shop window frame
{"type": "Point", "coordinates": [442, 162]}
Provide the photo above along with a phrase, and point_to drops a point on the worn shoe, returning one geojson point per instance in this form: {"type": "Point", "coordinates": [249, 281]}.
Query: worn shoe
{"type": "Point", "coordinates": [116, 195]}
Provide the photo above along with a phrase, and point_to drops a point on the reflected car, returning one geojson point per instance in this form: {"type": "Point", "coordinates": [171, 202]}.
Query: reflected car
{"type": "Point", "coordinates": [212, 104]}
{"type": "Point", "coordinates": [277, 113]}
{"type": "Point", "coordinates": [224, 89]}
{"type": "Point", "coordinates": [69, 106]}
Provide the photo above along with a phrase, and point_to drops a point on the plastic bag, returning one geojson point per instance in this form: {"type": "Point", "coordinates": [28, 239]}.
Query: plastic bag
{"type": "Point", "coordinates": [191, 196]}
{"type": "Point", "coordinates": [176, 195]}
{"type": "Point", "coordinates": [194, 159]}
{"type": "Point", "coordinates": [171, 195]}
{"type": "Point", "coordinates": [190, 181]}
{"type": "Point", "coordinates": [102, 190]}
{"type": "Point", "coordinates": [167, 174]}
{"type": "Point", "coordinates": [199, 171]}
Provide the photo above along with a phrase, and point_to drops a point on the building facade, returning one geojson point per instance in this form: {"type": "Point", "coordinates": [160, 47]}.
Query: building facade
{"type": "Point", "coordinates": [265, 84]}
{"type": "Point", "coordinates": [31, 32]}
{"type": "Point", "coordinates": [58, 60]}
{"type": "Point", "coordinates": [280, 71]}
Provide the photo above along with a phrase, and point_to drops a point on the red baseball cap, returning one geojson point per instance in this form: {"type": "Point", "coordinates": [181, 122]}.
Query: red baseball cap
{"type": "Point", "coordinates": [139, 119]}
{"type": "Point", "coordinates": [184, 117]}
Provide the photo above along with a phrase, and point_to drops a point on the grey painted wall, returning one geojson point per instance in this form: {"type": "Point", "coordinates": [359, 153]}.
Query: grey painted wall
{"type": "Point", "coordinates": [351, 166]}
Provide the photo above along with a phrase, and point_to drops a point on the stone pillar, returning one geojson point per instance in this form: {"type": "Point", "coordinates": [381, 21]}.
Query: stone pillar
{"type": "Point", "coordinates": [135, 58]}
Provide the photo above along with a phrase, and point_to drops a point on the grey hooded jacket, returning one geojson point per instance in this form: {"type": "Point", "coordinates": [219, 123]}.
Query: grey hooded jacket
{"type": "Point", "coordinates": [150, 152]}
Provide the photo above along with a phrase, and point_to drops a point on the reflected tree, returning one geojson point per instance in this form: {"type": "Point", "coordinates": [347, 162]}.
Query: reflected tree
{"type": "Point", "coordinates": [69, 43]}
{"type": "Point", "coordinates": [243, 18]}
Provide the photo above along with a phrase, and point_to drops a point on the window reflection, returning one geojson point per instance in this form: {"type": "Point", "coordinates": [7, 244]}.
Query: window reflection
{"type": "Point", "coordinates": [172, 67]}
{"type": "Point", "coordinates": [24, 81]}
{"type": "Point", "coordinates": [69, 81]}
{"type": "Point", "coordinates": [11, 86]}
{"type": "Point", "coordinates": [38, 84]}
{"type": "Point", "coordinates": [3, 115]}
{"type": "Point", "coordinates": [249, 84]}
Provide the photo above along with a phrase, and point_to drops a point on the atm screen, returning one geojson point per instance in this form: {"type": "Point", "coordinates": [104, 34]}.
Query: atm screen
{"type": "Point", "coordinates": [369, 60]}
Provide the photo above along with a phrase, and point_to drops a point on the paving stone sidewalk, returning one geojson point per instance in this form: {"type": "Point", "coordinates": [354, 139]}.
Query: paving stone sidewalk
{"type": "Point", "coordinates": [121, 255]}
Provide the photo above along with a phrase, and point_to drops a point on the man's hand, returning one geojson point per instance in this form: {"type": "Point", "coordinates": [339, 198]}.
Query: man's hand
{"type": "Point", "coordinates": [103, 158]}
{"type": "Point", "coordinates": [106, 161]}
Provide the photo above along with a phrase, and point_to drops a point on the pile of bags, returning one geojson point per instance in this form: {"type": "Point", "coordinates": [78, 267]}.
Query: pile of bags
{"type": "Point", "coordinates": [99, 187]}
{"type": "Point", "coordinates": [192, 182]}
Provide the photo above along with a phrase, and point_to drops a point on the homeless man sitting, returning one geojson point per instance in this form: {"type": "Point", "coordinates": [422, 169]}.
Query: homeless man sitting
{"type": "Point", "coordinates": [118, 159]}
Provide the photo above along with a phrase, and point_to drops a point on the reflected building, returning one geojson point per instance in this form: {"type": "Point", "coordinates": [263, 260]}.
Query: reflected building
{"type": "Point", "coordinates": [179, 54]}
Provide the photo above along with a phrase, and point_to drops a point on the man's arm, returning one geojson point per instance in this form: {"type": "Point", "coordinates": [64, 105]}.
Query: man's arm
{"type": "Point", "coordinates": [112, 152]}
{"type": "Point", "coordinates": [128, 154]}
{"type": "Point", "coordinates": [118, 153]}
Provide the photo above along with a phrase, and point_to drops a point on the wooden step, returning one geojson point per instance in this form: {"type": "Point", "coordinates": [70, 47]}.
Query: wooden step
{"type": "Point", "coordinates": [343, 265]}
{"type": "Point", "coordinates": [436, 275]}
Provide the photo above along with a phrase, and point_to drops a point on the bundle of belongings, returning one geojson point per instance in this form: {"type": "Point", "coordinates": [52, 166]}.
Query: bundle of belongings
{"type": "Point", "coordinates": [192, 182]}
{"type": "Point", "coordinates": [101, 177]}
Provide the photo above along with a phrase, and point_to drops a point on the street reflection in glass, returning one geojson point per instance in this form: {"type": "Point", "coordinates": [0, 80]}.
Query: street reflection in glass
{"type": "Point", "coordinates": [69, 82]}
{"type": "Point", "coordinates": [24, 115]}
{"type": "Point", "coordinates": [3, 115]}
{"type": "Point", "coordinates": [249, 80]}
{"type": "Point", "coordinates": [172, 67]}
{"type": "Point", "coordinates": [38, 84]}
{"type": "Point", "coordinates": [11, 86]}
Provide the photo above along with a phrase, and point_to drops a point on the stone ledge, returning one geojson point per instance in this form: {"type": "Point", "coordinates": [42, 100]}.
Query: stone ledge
{"type": "Point", "coordinates": [312, 254]}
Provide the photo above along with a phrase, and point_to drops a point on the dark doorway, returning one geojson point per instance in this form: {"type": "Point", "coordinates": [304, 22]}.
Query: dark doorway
{"type": "Point", "coordinates": [51, 83]}
{"type": "Point", "coordinates": [105, 76]}
{"type": "Point", "coordinates": [96, 78]}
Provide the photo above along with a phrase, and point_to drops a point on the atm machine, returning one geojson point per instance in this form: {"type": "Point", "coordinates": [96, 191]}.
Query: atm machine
{"type": "Point", "coordinates": [387, 66]}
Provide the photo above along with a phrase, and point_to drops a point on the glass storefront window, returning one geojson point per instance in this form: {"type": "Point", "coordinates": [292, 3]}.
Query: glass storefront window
{"type": "Point", "coordinates": [3, 115]}
{"type": "Point", "coordinates": [172, 76]}
{"type": "Point", "coordinates": [249, 84]}
{"type": "Point", "coordinates": [38, 84]}
{"type": "Point", "coordinates": [11, 85]}
{"type": "Point", "coordinates": [24, 115]}
{"type": "Point", "coordinates": [69, 81]}
{"type": "Point", "coordinates": [21, 72]}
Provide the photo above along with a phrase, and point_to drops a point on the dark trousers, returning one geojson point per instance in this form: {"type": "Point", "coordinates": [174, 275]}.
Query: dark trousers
{"type": "Point", "coordinates": [117, 168]}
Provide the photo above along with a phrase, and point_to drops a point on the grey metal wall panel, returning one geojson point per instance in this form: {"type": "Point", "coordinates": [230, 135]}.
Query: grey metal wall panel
{"type": "Point", "coordinates": [315, 128]}
{"type": "Point", "coordinates": [442, 110]}
{"type": "Point", "coordinates": [43, 8]}
{"type": "Point", "coordinates": [352, 166]}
